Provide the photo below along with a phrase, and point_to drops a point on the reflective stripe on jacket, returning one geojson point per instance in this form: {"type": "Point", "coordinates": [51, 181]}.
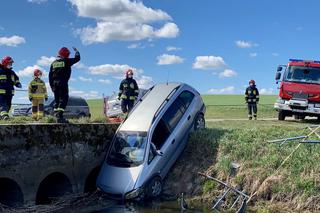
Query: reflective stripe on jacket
{"type": "Point", "coordinates": [8, 79]}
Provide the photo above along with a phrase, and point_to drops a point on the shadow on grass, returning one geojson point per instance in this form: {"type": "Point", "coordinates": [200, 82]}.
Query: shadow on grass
{"type": "Point", "coordinates": [199, 155]}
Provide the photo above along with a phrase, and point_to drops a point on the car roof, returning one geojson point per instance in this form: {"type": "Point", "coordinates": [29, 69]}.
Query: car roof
{"type": "Point", "coordinates": [142, 116]}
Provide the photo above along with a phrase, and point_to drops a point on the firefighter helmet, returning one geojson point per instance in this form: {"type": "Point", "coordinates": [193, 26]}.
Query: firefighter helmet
{"type": "Point", "coordinates": [37, 73]}
{"type": "Point", "coordinates": [7, 60]}
{"type": "Point", "coordinates": [64, 52]}
{"type": "Point", "coordinates": [252, 82]}
{"type": "Point", "coordinates": [129, 72]}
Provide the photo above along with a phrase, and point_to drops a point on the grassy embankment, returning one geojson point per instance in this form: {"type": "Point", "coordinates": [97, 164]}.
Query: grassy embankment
{"type": "Point", "coordinates": [296, 187]}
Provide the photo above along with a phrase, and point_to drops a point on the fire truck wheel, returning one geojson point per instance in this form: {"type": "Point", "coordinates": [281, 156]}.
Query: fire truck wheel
{"type": "Point", "coordinates": [281, 115]}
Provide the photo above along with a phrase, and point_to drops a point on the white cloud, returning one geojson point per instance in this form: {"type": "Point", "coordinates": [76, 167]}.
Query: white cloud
{"type": "Point", "coordinates": [73, 79]}
{"type": "Point", "coordinates": [245, 44]}
{"type": "Point", "coordinates": [104, 81]}
{"type": "Point", "coordinates": [144, 82]}
{"type": "Point", "coordinates": [37, 1]}
{"type": "Point", "coordinates": [84, 94]}
{"type": "Point", "coordinates": [28, 71]}
{"type": "Point", "coordinates": [45, 61]}
{"type": "Point", "coordinates": [166, 59]}
{"type": "Point", "coordinates": [227, 73]}
{"type": "Point", "coordinates": [226, 90]}
{"type": "Point", "coordinates": [136, 46]}
{"type": "Point", "coordinates": [122, 20]}
{"type": "Point", "coordinates": [209, 62]}
{"type": "Point", "coordinates": [111, 69]}
{"type": "Point", "coordinates": [172, 48]}
{"type": "Point", "coordinates": [12, 41]}
{"type": "Point", "coordinates": [253, 55]}
{"type": "Point", "coordinates": [265, 91]}
{"type": "Point", "coordinates": [83, 79]}
{"type": "Point", "coordinates": [275, 54]}
{"type": "Point", "coordinates": [80, 66]}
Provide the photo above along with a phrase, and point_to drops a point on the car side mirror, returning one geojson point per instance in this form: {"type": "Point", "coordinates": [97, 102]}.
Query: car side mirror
{"type": "Point", "coordinates": [278, 76]}
{"type": "Point", "coordinates": [279, 69]}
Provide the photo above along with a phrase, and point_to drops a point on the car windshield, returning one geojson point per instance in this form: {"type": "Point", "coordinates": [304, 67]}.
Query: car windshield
{"type": "Point", "coordinates": [128, 149]}
{"type": "Point", "coordinates": [303, 74]}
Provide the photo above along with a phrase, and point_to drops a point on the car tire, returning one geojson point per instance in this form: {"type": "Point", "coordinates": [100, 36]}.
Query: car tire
{"type": "Point", "coordinates": [281, 115]}
{"type": "Point", "coordinates": [199, 122]}
{"type": "Point", "coordinates": [153, 188]}
{"type": "Point", "coordinates": [81, 115]}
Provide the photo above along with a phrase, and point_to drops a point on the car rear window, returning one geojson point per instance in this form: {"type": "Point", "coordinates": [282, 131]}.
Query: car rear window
{"type": "Point", "coordinates": [186, 97]}
{"type": "Point", "coordinates": [77, 102]}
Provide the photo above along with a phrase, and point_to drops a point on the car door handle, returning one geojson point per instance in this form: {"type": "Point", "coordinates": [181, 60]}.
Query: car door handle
{"type": "Point", "coordinates": [189, 117]}
{"type": "Point", "coordinates": [173, 141]}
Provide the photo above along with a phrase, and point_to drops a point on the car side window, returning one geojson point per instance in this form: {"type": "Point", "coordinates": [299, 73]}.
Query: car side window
{"type": "Point", "coordinates": [173, 114]}
{"type": "Point", "coordinates": [186, 97]}
{"type": "Point", "coordinates": [71, 102]}
{"type": "Point", "coordinates": [160, 134]}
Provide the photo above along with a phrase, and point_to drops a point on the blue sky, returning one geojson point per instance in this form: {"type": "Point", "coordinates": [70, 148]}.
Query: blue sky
{"type": "Point", "coordinates": [216, 46]}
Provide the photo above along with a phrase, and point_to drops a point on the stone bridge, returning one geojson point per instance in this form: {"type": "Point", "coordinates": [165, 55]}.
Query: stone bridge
{"type": "Point", "coordinates": [39, 161]}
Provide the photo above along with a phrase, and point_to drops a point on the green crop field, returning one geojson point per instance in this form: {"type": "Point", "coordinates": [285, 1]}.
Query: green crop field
{"type": "Point", "coordinates": [218, 106]}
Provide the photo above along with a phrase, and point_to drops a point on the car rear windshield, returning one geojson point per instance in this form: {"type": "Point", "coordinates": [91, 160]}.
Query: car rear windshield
{"type": "Point", "coordinates": [128, 149]}
{"type": "Point", "coordinates": [303, 74]}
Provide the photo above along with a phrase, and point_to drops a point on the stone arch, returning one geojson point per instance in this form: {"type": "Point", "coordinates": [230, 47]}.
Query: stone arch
{"type": "Point", "coordinates": [90, 184]}
{"type": "Point", "coordinates": [54, 185]}
{"type": "Point", "coordinates": [10, 193]}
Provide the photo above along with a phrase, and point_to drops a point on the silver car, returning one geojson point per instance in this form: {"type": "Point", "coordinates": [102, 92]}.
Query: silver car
{"type": "Point", "coordinates": [150, 140]}
{"type": "Point", "coordinates": [112, 105]}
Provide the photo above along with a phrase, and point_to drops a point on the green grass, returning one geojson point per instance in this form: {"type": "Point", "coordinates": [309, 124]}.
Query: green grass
{"type": "Point", "coordinates": [96, 108]}
{"type": "Point", "coordinates": [218, 106]}
{"type": "Point", "coordinates": [245, 142]}
{"type": "Point", "coordinates": [235, 99]}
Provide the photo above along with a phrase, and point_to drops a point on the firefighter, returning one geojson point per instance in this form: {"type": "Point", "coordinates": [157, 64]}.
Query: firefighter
{"type": "Point", "coordinates": [8, 80]}
{"type": "Point", "coordinates": [37, 94]}
{"type": "Point", "coordinates": [59, 75]}
{"type": "Point", "coordinates": [128, 92]}
{"type": "Point", "coordinates": [252, 99]}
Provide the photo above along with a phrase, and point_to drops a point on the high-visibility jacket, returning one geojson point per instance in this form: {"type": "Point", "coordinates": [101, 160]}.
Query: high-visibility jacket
{"type": "Point", "coordinates": [8, 79]}
{"type": "Point", "coordinates": [37, 89]}
{"type": "Point", "coordinates": [252, 94]}
{"type": "Point", "coordinates": [128, 89]}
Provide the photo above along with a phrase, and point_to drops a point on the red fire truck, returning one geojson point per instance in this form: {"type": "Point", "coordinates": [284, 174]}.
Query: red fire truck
{"type": "Point", "coordinates": [299, 94]}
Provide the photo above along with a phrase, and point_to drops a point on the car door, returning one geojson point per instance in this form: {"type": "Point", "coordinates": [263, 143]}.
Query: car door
{"type": "Point", "coordinates": [182, 128]}
{"type": "Point", "coordinates": [169, 121]}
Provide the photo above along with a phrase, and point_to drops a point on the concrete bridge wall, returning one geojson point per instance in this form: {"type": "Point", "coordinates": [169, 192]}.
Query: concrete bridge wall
{"type": "Point", "coordinates": [38, 161]}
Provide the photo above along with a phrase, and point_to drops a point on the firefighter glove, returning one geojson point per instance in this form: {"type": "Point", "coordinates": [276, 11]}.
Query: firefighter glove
{"type": "Point", "coordinates": [46, 99]}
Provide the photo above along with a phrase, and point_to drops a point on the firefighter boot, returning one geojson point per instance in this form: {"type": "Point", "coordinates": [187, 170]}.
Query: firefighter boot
{"type": "Point", "coordinates": [61, 119]}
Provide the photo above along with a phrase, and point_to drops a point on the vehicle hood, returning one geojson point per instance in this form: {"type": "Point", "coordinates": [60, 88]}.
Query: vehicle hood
{"type": "Point", "coordinates": [311, 89]}
{"type": "Point", "coordinates": [117, 180]}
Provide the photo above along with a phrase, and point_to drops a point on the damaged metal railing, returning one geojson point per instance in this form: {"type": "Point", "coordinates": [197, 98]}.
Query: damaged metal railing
{"type": "Point", "coordinates": [241, 197]}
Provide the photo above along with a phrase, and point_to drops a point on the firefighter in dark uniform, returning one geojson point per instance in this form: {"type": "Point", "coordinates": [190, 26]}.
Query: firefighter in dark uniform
{"type": "Point", "coordinates": [59, 75]}
{"type": "Point", "coordinates": [252, 99]}
{"type": "Point", "coordinates": [128, 92]}
{"type": "Point", "coordinates": [8, 79]}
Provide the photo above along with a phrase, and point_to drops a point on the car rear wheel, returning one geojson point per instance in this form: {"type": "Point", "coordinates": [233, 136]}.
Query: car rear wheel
{"type": "Point", "coordinates": [200, 122]}
{"type": "Point", "coordinates": [154, 188]}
